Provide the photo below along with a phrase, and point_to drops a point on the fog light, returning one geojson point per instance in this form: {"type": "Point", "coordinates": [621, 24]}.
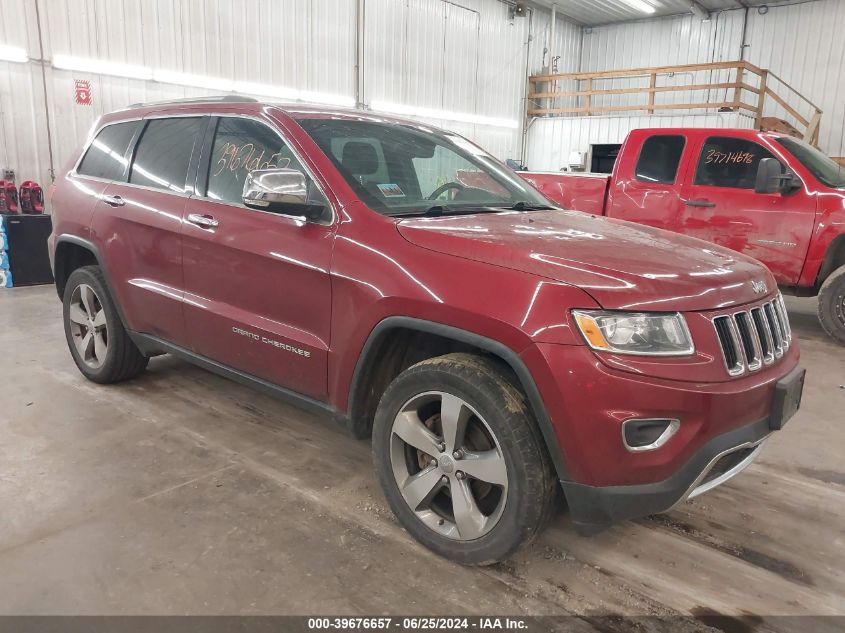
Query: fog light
{"type": "Point", "coordinates": [647, 434]}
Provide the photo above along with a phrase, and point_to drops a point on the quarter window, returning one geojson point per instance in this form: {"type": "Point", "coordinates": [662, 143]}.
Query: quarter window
{"type": "Point", "coordinates": [106, 156]}
{"type": "Point", "coordinates": [164, 153]}
{"type": "Point", "coordinates": [659, 159]}
{"type": "Point", "coordinates": [240, 146]}
{"type": "Point", "coordinates": [729, 162]}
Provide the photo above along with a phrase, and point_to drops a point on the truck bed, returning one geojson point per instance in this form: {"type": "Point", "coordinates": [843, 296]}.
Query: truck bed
{"type": "Point", "coordinates": [579, 191]}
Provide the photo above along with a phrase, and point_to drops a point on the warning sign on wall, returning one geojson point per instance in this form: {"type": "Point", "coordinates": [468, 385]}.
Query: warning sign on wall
{"type": "Point", "coordinates": [82, 88]}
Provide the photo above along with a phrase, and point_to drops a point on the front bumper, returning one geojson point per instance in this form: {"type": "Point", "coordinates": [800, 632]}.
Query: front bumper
{"type": "Point", "coordinates": [594, 508]}
{"type": "Point", "coordinates": [721, 426]}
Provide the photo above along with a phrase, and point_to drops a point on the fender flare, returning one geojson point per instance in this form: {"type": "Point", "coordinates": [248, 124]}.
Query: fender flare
{"type": "Point", "coordinates": [95, 251]}
{"type": "Point", "coordinates": [828, 263]}
{"type": "Point", "coordinates": [505, 353]}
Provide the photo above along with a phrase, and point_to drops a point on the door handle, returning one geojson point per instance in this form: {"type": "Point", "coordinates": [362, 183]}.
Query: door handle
{"type": "Point", "coordinates": [114, 201]}
{"type": "Point", "coordinates": [204, 221]}
{"type": "Point", "coordinates": [700, 203]}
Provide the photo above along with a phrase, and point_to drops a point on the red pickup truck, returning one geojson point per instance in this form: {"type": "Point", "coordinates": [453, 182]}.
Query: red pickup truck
{"type": "Point", "coordinates": [767, 195]}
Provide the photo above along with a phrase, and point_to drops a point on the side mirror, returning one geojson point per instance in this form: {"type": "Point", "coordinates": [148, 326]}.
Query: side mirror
{"type": "Point", "coordinates": [283, 191]}
{"type": "Point", "coordinates": [772, 179]}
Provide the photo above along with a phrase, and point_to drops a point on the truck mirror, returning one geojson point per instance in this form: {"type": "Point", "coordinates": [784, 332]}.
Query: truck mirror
{"type": "Point", "coordinates": [772, 178]}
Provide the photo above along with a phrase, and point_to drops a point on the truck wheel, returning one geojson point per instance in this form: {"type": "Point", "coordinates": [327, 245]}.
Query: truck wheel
{"type": "Point", "coordinates": [460, 459]}
{"type": "Point", "coordinates": [832, 305]}
{"type": "Point", "coordinates": [99, 344]}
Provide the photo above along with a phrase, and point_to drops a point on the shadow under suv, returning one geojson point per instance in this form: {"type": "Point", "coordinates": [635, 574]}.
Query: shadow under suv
{"type": "Point", "coordinates": [497, 349]}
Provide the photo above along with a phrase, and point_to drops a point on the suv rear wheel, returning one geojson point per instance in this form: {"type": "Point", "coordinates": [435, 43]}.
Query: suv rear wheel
{"type": "Point", "coordinates": [832, 305]}
{"type": "Point", "coordinates": [99, 344]}
{"type": "Point", "coordinates": [460, 459]}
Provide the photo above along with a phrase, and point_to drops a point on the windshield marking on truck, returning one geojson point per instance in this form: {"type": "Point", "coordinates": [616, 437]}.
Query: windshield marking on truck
{"type": "Point", "coordinates": [715, 156]}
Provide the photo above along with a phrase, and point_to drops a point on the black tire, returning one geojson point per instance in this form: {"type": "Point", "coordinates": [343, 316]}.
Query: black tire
{"type": "Point", "coordinates": [832, 305]}
{"type": "Point", "coordinates": [122, 359]}
{"type": "Point", "coordinates": [532, 488]}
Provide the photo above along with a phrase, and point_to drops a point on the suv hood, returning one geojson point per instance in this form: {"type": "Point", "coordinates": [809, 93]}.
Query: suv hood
{"type": "Point", "coordinates": [620, 264]}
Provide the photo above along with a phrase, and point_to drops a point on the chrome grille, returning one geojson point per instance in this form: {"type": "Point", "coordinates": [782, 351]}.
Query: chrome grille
{"type": "Point", "coordinates": [751, 339]}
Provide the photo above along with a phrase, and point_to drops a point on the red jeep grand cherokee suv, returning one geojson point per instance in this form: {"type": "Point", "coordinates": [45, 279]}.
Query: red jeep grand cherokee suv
{"type": "Point", "coordinates": [401, 279]}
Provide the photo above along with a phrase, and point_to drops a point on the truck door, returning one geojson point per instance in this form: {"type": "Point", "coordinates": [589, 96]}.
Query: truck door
{"type": "Point", "coordinates": [721, 206]}
{"type": "Point", "coordinates": [644, 188]}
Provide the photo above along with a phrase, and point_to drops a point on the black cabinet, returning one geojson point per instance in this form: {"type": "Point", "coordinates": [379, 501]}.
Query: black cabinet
{"type": "Point", "coordinates": [26, 237]}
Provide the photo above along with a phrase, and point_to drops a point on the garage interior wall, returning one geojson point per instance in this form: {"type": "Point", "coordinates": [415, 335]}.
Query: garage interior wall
{"type": "Point", "coordinates": [800, 42]}
{"type": "Point", "coordinates": [462, 56]}
{"type": "Point", "coordinates": [467, 57]}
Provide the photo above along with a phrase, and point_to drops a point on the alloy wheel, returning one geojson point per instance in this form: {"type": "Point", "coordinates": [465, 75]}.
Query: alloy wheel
{"type": "Point", "coordinates": [448, 465]}
{"type": "Point", "coordinates": [88, 326]}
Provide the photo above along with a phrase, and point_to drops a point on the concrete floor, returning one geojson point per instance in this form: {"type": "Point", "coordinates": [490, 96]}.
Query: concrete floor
{"type": "Point", "coordinates": [181, 492]}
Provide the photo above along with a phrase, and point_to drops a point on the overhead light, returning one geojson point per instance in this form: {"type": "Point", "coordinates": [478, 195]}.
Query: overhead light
{"type": "Point", "coordinates": [699, 11]}
{"type": "Point", "coordinates": [640, 5]}
{"type": "Point", "coordinates": [327, 98]}
{"type": "Point", "coordinates": [195, 81]}
{"type": "Point", "coordinates": [13, 54]}
{"type": "Point", "coordinates": [102, 67]}
{"type": "Point", "coordinates": [291, 94]}
{"type": "Point", "coordinates": [428, 113]}
{"type": "Point", "coordinates": [266, 90]}
{"type": "Point", "coordinates": [219, 84]}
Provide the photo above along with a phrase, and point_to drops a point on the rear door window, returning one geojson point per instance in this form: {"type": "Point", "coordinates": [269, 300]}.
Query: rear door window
{"type": "Point", "coordinates": [106, 156]}
{"type": "Point", "coordinates": [729, 162]}
{"type": "Point", "coordinates": [164, 153]}
{"type": "Point", "coordinates": [659, 158]}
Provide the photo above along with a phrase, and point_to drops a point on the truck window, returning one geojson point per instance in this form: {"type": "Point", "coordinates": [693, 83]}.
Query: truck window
{"type": "Point", "coordinates": [105, 157]}
{"type": "Point", "coordinates": [241, 145]}
{"type": "Point", "coordinates": [729, 162]}
{"type": "Point", "coordinates": [659, 158]}
{"type": "Point", "coordinates": [164, 152]}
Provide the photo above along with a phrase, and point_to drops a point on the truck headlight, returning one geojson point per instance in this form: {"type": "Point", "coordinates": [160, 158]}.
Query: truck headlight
{"type": "Point", "coordinates": [645, 333]}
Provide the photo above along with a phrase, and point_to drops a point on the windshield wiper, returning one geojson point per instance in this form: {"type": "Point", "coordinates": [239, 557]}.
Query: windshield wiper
{"type": "Point", "coordinates": [444, 209]}
{"type": "Point", "coordinates": [529, 206]}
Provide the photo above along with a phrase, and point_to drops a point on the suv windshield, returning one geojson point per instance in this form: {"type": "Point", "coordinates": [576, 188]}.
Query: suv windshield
{"type": "Point", "coordinates": [403, 169]}
{"type": "Point", "coordinates": [827, 170]}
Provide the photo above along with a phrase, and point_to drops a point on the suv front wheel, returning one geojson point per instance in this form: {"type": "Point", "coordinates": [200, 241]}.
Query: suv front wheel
{"type": "Point", "coordinates": [460, 459]}
{"type": "Point", "coordinates": [98, 342]}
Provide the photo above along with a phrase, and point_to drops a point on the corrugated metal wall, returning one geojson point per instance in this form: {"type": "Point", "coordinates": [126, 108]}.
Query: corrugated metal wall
{"type": "Point", "coordinates": [463, 56]}
{"type": "Point", "coordinates": [802, 43]}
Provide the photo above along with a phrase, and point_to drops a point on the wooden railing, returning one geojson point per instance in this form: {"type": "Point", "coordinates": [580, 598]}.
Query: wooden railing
{"type": "Point", "coordinates": [727, 86]}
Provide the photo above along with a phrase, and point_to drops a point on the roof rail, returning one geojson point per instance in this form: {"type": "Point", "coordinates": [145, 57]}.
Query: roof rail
{"type": "Point", "coordinates": [213, 99]}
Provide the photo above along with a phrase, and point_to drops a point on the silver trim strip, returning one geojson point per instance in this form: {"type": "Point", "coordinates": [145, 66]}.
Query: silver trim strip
{"type": "Point", "coordinates": [739, 367]}
{"type": "Point", "coordinates": [668, 432]}
{"type": "Point", "coordinates": [751, 364]}
{"type": "Point", "coordinates": [695, 489]}
{"type": "Point", "coordinates": [768, 357]}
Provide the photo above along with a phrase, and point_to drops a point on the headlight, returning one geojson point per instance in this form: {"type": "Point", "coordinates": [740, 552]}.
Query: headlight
{"type": "Point", "coordinates": [649, 334]}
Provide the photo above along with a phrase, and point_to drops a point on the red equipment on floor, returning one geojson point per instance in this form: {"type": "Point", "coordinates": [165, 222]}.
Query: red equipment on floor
{"type": "Point", "coordinates": [31, 198]}
{"type": "Point", "coordinates": [8, 197]}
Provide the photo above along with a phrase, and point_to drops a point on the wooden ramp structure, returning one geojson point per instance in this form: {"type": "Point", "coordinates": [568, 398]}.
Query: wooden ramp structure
{"type": "Point", "coordinates": [733, 86]}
